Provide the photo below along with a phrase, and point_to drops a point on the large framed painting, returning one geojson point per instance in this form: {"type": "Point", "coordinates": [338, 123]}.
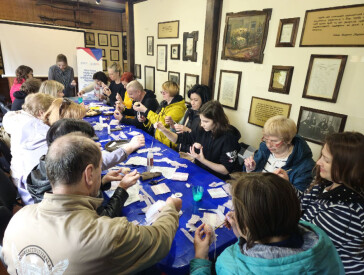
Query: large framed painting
{"type": "Point", "coordinates": [245, 35]}
{"type": "Point", "coordinates": [314, 125]}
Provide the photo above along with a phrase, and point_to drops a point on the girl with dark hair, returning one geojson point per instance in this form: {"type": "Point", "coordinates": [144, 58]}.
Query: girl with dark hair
{"type": "Point", "coordinates": [214, 145]}
{"type": "Point", "coordinates": [22, 73]}
{"type": "Point", "coordinates": [335, 201]}
{"type": "Point", "coordinates": [64, 74]}
{"type": "Point", "coordinates": [271, 238]}
{"type": "Point", "coordinates": [100, 80]}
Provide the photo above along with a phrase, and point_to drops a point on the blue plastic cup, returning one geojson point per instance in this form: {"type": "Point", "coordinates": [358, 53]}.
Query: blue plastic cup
{"type": "Point", "coordinates": [197, 192]}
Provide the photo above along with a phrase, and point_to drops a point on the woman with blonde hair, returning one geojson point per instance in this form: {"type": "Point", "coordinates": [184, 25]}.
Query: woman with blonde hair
{"type": "Point", "coordinates": [116, 86]}
{"type": "Point", "coordinates": [52, 87]}
{"type": "Point", "coordinates": [173, 106]}
{"type": "Point", "coordinates": [63, 108]}
{"type": "Point", "coordinates": [283, 152]}
{"type": "Point", "coordinates": [28, 136]}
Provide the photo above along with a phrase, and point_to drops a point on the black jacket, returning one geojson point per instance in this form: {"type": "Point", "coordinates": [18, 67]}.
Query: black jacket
{"type": "Point", "coordinates": [38, 184]}
{"type": "Point", "coordinates": [116, 89]}
{"type": "Point", "coordinates": [192, 123]}
{"type": "Point", "coordinates": [149, 101]}
{"type": "Point", "coordinates": [18, 101]}
{"type": "Point", "coordinates": [221, 150]}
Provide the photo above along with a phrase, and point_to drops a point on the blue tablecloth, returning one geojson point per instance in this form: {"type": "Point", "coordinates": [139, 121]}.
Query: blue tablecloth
{"type": "Point", "coordinates": [182, 251]}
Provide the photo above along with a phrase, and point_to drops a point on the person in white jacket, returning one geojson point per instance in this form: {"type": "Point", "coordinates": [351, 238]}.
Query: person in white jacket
{"type": "Point", "coordinates": [28, 137]}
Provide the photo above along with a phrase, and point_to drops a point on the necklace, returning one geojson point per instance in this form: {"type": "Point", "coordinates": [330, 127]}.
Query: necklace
{"type": "Point", "coordinates": [286, 154]}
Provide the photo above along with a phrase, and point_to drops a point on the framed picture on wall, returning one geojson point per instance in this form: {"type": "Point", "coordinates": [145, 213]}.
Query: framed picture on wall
{"type": "Point", "coordinates": [103, 53]}
{"type": "Point", "coordinates": [103, 39]}
{"type": "Point", "coordinates": [287, 32]}
{"type": "Point", "coordinates": [175, 49]}
{"type": "Point", "coordinates": [162, 58]}
{"type": "Point", "coordinates": [314, 125]}
{"type": "Point", "coordinates": [280, 79]}
{"type": "Point", "coordinates": [124, 40]}
{"type": "Point", "coordinates": [89, 39]}
{"type": "Point", "coordinates": [245, 35]}
{"type": "Point", "coordinates": [114, 55]}
{"type": "Point", "coordinates": [189, 46]}
{"type": "Point", "coordinates": [150, 45]}
{"type": "Point", "coordinates": [137, 71]}
{"type": "Point", "coordinates": [190, 81]}
{"type": "Point", "coordinates": [324, 76]}
{"type": "Point", "coordinates": [104, 65]}
{"type": "Point", "coordinates": [114, 40]}
{"type": "Point", "coordinates": [229, 89]}
{"type": "Point", "coordinates": [174, 76]}
{"type": "Point", "coordinates": [149, 78]}
{"type": "Point", "coordinates": [168, 29]}
{"type": "Point", "coordinates": [262, 109]}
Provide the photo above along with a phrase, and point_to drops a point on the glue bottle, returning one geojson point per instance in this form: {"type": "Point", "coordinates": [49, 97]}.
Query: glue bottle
{"type": "Point", "coordinates": [150, 160]}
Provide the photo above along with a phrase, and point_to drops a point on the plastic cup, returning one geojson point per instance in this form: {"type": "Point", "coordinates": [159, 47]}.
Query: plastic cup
{"type": "Point", "coordinates": [197, 192]}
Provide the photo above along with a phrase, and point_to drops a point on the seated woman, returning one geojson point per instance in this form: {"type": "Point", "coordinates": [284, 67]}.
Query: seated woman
{"type": "Point", "coordinates": [52, 87]}
{"type": "Point", "coordinates": [198, 95]}
{"type": "Point", "coordinates": [22, 73]}
{"type": "Point", "coordinates": [214, 144]}
{"type": "Point", "coordinates": [63, 74]}
{"type": "Point", "coordinates": [38, 183]}
{"type": "Point", "coordinates": [278, 245]}
{"type": "Point", "coordinates": [283, 152]}
{"type": "Point", "coordinates": [116, 87]}
{"type": "Point", "coordinates": [100, 80]}
{"type": "Point", "coordinates": [125, 100]}
{"type": "Point", "coordinates": [63, 108]}
{"type": "Point", "coordinates": [173, 105]}
{"type": "Point", "coordinates": [28, 133]}
{"type": "Point", "coordinates": [335, 202]}
{"type": "Point", "coordinates": [30, 86]}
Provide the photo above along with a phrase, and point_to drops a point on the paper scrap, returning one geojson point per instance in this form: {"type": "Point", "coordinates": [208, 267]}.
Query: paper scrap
{"type": "Point", "coordinates": [179, 176]}
{"type": "Point", "coordinates": [229, 204]}
{"type": "Point", "coordinates": [188, 185]}
{"type": "Point", "coordinates": [134, 133]}
{"type": "Point", "coordinates": [114, 122]}
{"type": "Point", "coordinates": [167, 172]}
{"type": "Point", "coordinates": [215, 184]}
{"type": "Point", "coordinates": [133, 192]}
{"type": "Point", "coordinates": [209, 218]}
{"type": "Point", "coordinates": [227, 188]}
{"type": "Point", "coordinates": [153, 211]}
{"type": "Point", "coordinates": [171, 162]}
{"type": "Point", "coordinates": [122, 135]}
{"type": "Point", "coordinates": [217, 193]}
{"type": "Point", "coordinates": [115, 137]}
{"type": "Point", "coordinates": [145, 150]}
{"type": "Point", "coordinates": [160, 189]}
{"type": "Point", "coordinates": [188, 235]}
{"type": "Point", "coordinates": [146, 194]}
{"type": "Point", "coordinates": [137, 161]}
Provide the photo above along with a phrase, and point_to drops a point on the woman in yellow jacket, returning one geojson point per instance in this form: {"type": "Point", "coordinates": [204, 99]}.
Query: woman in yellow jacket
{"type": "Point", "coordinates": [173, 105]}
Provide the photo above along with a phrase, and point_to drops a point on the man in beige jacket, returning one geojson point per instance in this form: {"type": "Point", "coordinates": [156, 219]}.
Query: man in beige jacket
{"type": "Point", "coordinates": [64, 235]}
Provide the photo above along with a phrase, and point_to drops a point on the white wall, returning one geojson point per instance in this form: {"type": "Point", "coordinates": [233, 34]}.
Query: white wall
{"type": "Point", "coordinates": [191, 15]}
{"type": "Point", "coordinates": [255, 77]}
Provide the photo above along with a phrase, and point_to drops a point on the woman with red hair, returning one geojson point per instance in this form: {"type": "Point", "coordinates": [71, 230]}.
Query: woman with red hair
{"type": "Point", "coordinates": [125, 79]}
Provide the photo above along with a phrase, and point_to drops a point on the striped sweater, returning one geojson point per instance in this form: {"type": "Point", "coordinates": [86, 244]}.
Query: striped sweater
{"type": "Point", "coordinates": [340, 213]}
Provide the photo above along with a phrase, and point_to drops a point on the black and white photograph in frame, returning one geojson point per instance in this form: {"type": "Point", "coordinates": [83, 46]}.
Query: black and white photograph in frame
{"type": "Point", "coordinates": [114, 40]}
{"type": "Point", "coordinates": [190, 81]}
{"type": "Point", "coordinates": [104, 65]}
{"type": "Point", "coordinates": [114, 55]}
{"type": "Point", "coordinates": [137, 71]}
{"type": "Point", "coordinates": [314, 125]}
{"type": "Point", "coordinates": [175, 51]}
{"type": "Point", "coordinates": [174, 76]}
{"type": "Point", "coordinates": [162, 58]}
{"type": "Point", "coordinates": [103, 39]}
{"type": "Point", "coordinates": [150, 45]}
{"type": "Point", "coordinates": [89, 39]}
{"type": "Point", "coordinates": [149, 78]}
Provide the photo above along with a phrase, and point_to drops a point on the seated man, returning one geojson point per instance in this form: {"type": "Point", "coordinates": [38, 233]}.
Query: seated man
{"type": "Point", "coordinates": [65, 233]}
{"type": "Point", "coordinates": [138, 94]}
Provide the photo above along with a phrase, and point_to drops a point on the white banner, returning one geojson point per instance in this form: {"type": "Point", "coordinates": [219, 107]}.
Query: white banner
{"type": "Point", "coordinates": [89, 61]}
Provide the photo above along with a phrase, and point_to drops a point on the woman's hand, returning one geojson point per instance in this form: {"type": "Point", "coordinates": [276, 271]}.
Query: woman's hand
{"type": "Point", "coordinates": [282, 173]}
{"type": "Point", "coordinates": [159, 125]}
{"type": "Point", "coordinates": [181, 128]}
{"type": "Point", "coordinates": [199, 156]}
{"type": "Point", "coordinates": [118, 115]}
{"type": "Point", "coordinates": [80, 93]}
{"type": "Point", "coordinates": [202, 241]}
{"type": "Point", "coordinates": [250, 164]}
{"type": "Point", "coordinates": [107, 91]}
{"type": "Point", "coordinates": [230, 223]}
{"type": "Point", "coordinates": [129, 180]}
{"type": "Point", "coordinates": [139, 107]}
{"type": "Point", "coordinates": [169, 121]}
{"type": "Point", "coordinates": [73, 83]}
{"type": "Point", "coordinates": [118, 97]}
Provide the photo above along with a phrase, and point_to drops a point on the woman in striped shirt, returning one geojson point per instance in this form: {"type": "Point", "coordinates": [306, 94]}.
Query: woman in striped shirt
{"type": "Point", "coordinates": [336, 201]}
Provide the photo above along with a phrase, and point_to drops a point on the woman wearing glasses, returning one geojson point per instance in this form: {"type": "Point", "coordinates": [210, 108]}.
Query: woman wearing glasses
{"type": "Point", "coordinates": [283, 152]}
{"type": "Point", "coordinates": [173, 105]}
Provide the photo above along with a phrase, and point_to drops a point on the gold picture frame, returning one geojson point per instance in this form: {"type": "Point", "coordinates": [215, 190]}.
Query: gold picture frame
{"type": "Point", "coordinates": [169, 29]}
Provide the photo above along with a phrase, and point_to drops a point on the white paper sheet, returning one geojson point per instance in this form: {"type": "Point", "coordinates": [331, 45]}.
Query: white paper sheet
{"type": "Point", "coordinates": [160, 189]}
{"type": "Point", "coordinates": [217, 193]}
{"type": "Point", "coordinates": [167, 172]}
{"type": "Point", "coordinates": [137, 161]}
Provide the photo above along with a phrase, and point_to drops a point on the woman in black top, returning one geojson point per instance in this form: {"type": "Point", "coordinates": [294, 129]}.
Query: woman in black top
{"type": "Point", "coordinates": [116, 87]}
{"type": "Point", "coordinates": [214, 144]}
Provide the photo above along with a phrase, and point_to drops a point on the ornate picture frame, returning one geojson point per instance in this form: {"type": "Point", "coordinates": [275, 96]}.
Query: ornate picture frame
{"type": "Point", "coordinates": [324, 76]}
{"type": "Point", "coordinates": [245, 35]}
{"type": "Point", "coordinates": [280, 79]}
{"type": "Point", "coordinates": [314, 125]}
{"type": "Point", "coordinates": [190, 46]}
{"type": "Point", "coordinates": [287, 32]}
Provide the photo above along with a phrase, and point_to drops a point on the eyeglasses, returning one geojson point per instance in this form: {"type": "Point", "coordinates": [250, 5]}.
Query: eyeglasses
{"type": "Point", "coordinates": [65, 102]}
{"type": "Point", "coordinates": [163, 92]}
{"type": "Point", "coordinates": [275, 143]}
